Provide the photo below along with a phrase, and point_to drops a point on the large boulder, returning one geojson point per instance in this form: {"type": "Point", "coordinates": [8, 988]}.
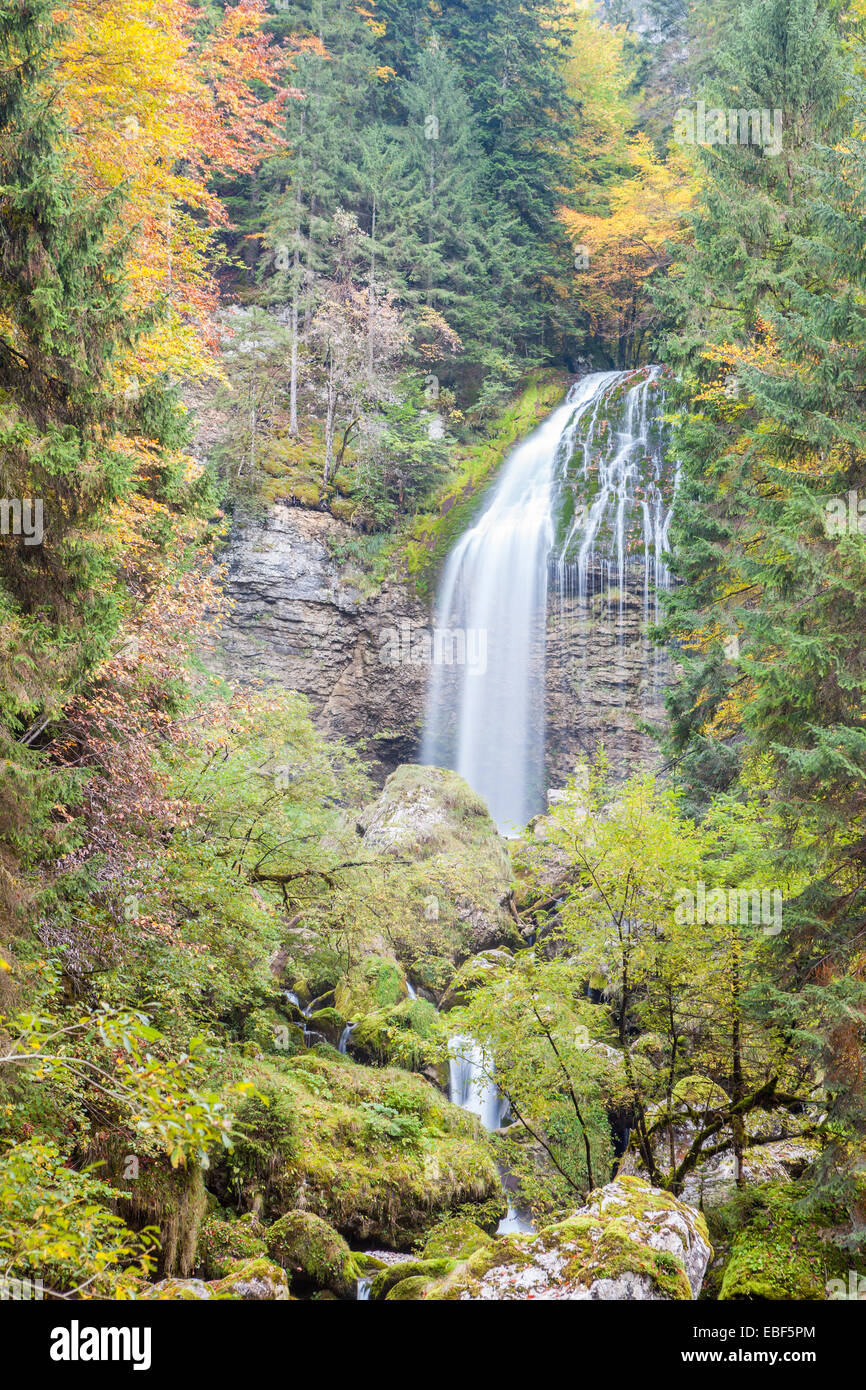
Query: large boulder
{"type": "Point", "coordinates": [300, 619]}
{"type": "Point", "coordinates": [312, 1253]}
{"type": "Point", "coordinates": [631, 1241]}
{"type": "Point", "coordinates": [472, 974]}
{"type": "Point", "coordinates": [377, 1153]}
{"type": "Point", "coordinates": [246, 1281]}
{"type": "Point", "coordinates": [458, 874]}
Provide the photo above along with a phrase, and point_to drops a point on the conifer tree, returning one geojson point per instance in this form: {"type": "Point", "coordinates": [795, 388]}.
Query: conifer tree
{"type": "Point", "coordinates": [63, 324]}
{"type": "Point", "coordinates": [769, 614]}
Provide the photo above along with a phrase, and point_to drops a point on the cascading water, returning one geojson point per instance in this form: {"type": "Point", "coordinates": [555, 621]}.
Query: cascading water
{"type": "Point", "coordinates": [472, 1088]}
{"type": "Point", "coordinates": [579, 504]}
{"type": "Point", "coordinates": [469, 1087]}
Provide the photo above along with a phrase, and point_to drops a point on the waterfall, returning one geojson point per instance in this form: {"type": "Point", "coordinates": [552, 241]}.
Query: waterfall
{"type": "Point", "coordinates": [472, 1088]}
{"type": "Point", "coordinates": [469, 1087]}
{"type": "Point", "coordinates": [573, 504]}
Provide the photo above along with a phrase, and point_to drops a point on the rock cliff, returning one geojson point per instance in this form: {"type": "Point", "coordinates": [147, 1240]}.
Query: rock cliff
{"type": "Point", "coordinates": [301, 618]}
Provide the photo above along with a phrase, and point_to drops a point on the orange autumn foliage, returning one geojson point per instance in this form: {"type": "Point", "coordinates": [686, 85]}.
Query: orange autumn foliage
{"type": "Point", "coordinates": [158, 110]}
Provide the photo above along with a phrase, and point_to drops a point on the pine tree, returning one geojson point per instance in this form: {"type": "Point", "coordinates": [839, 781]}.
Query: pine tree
{"type": "Point", "coordinates": [62, 324]}
{"type": "Point", "coordinates": [769, 615]}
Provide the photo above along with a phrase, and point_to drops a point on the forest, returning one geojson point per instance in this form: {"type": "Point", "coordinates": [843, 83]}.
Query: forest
{"type": "Point", "coordinates": [432, 665]}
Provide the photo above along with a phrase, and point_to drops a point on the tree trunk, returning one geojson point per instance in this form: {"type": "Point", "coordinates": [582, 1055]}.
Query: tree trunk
{"type": "Point", "coordinates": [371, 291]}
{"type": "Point", "coordinates": [329, 421]}
{"type": "Point", "coordinates": [293, 370]}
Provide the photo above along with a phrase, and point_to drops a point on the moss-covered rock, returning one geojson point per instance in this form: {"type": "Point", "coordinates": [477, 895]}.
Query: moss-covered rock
{"type": "Point", "coordinates": [408, 1269]}
{"type": "Point", "coordinates": [221, 1243]}
{"type": "Point", "coordinates": [455, 1236]}
{"type": "Point", "coordinates": [376, 982]}
{"type": "Point", "coordinates": [377, 1153]}
{"type": "Point", "coordinates": [248, 1280]}
{"type": "Point", "coordinates": [274, 1031]}
{"type": "Point", "coordinates": [781, 1254]}
{"type": "Point", "coordinates": [328, 1023]}
{"type": "Point", "coordinates": [475, 972]}
{"type": "Point", "coordinates": [698, 1093]}
{"type": "Point", "coordinates": [407, 1289]}
{"type": "Point", "coordinates": [458, 873]}
{"type": "Point", "coordinates": [253, 1280]}
{"type": "Point", "coordinates": [313, 1253]}
{"type": "Point", "coordinates": [409, 1035]}
{"type": "Point", "coordinates": [630, 1242]}
{"type": "Point", "coordinates": [651, 1047]}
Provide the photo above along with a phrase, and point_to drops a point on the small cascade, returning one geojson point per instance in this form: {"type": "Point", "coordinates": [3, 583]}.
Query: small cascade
{"type": "Point", "coordinates": [472, 1088]}
{"type": "Point", "coordinates": [516, 1221]}
{"type": "Point", "coordinates": [345, 1036]}
{"type": "Point", "coordinates": [305, 1009]}
{"type": "Point", "coordinates": [363, 1286]}
{"type": "Point", "coordinates": [413, 993]}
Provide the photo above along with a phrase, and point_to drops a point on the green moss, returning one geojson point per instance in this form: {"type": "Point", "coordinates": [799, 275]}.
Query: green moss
{"type": "Point", "coordinates": [410, 1269]}
{"type": "Point", "coordinates": [174, 1199]}
{"type": "Point", "coordinates": [221, 1243]}
{"type": "Point", "coordinates": [311, 1250]}
{"type": "Point", "coordinates": [273, 1032]}
{"type": "Point", "coordinates": [408, 1289]}
{"type": "Point", "coordinates": [243, 1273]}
{"type": "Point", "coordinates": [377, 1153]}
{"type": "Point", "coordinates": [408, 1035]}
{"type": "Point", "coordinates": [343, 508]}
{"type": "Point", "coordinates": [615, 1253]}
{"type": "Point", "coordinates": [329, 1022]}
{"type": "Point", "coordinates": [457, 1236]}
{"type": "Point", "coordinates": [699, 1093]}
{"type": "Point", "coordinates": [780, 1253]}
{"type": "Point", "coordinates": [376, 982]}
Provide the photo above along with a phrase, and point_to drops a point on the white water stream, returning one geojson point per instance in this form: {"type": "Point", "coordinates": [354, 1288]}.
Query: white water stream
{"type": "Point", "coordinates": [472, 1088]}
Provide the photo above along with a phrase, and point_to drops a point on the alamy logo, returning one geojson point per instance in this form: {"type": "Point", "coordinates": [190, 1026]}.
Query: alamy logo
{"type": "Point", "coordinates": [439, 646]}
{"type": "Point", "coordinates": [21, 1289]}
{"type": "Point", "coordinates": [732, 127]}
{"type": "Point", "coordinates": [21, 518]}
{"type": "Point", "coordinates": [845, 515]}
{"type": "Point", "coordinates": [855, 1289]}
{"type": "Point", "coordinates": [77, 1343]}
{"type": "Point", "coordinates": [736, 906]}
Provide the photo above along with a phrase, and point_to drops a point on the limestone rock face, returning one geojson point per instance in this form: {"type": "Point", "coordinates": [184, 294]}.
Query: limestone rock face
{"type": "Point", "coordinates": [303, 619]}
{"type": "Point", "coordinates": [298, 620]}
{"type": "Point", "coordinates": [630, 1242]}
{"type": "Point", "coordinates": [603, 678]}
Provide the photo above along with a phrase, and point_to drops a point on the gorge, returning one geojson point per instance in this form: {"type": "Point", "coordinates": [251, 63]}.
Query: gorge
{"type": "Point", "coordinates": [432, 702]}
